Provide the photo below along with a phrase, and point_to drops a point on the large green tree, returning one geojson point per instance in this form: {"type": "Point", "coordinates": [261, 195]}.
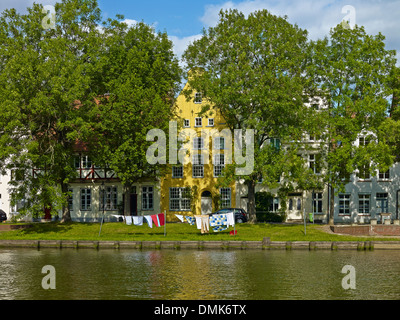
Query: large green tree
{"type": "Point", "coordinates": [43, 72]}
{"type": "Point", "coordinates": [79, 82]}
{"type": "Point", "coordinates": [356, 76]}
{"type": "Point", "coordinates": [141, 76]}
{"type": "Point", "coordinates": [254, 71]}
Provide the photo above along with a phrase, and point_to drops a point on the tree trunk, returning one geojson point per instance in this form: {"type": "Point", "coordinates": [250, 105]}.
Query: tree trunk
{"type": "Point", "coordinates": [66, 215]}
{"type": "Point", "coordinates": [251, 204]}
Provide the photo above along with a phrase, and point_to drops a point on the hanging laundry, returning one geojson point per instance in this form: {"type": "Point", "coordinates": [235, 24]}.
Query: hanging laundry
{"type": "Point", "coordinates": [137, 220]}
{"type": "Point", "coordinates": [202, 222]}
{"type": "Point", "coordinates": [190, 220]}
{"type": "Point", "coordinates": [158, 219]}
{"type": "Point", "coordinates": [220, 228]}
{"type": "Point", "coordinates": [180, 217]}
{"type": "Point", "coordinates": [149, 221]}
{"type": "Point", "coordinates": [230, 219]}
{"type": "Point", "coordinates": [128, 220]}
{"type": "Point", "coordinates": [218, 220]}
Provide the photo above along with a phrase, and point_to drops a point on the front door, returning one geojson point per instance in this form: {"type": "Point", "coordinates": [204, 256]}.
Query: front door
{"type": "Point", "coordinates": [133, 204]}
{"type": "Point", "coordinates": [295, 206]}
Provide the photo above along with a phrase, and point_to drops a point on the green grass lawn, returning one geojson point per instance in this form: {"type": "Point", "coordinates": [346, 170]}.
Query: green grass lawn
{"type": "Point", "coordinates": [119, 231]}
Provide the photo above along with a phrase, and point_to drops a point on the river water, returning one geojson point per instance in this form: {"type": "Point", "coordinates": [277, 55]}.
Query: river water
{"type": "Point", "coordinates": [202, 275]}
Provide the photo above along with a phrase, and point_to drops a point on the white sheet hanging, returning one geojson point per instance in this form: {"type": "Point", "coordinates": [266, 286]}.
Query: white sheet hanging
{"type": "Point", "coordinates": [149, 221]}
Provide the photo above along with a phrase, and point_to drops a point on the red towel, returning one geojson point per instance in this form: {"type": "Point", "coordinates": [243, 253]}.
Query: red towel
{"type": "Point", "coordinates": [158, 219]}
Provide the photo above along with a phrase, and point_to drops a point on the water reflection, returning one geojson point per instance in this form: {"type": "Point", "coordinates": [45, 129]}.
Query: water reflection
{"type": "Point", "coordinates": [192, 274]}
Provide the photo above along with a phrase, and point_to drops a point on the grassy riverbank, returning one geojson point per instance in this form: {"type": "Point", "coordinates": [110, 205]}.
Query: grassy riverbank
{"type": "Point", "coordinates": [119, 231]}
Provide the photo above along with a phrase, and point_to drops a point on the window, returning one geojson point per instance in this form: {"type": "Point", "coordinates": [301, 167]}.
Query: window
{"type": "Point", "coordinates": [363, 141]}
{"type": "Point", "coordinates": [219, 164]}
{"type": "Point", "coordinates": [147, 198]}
{"type": "Point", "coordinates": [70, 200]}
{"type": "Point", "coordinates": [344, 204]}
{"type": "Point", "coordinates": [382, 202]}
{"type": "Point", "coordinates": [314, 163]}
{"type": "Point", "coordinates": [275, 143]}
{"type": "Point", "coordinates": [384, 175]}
{"type": "Point", "coordinates": [225, 197]}
{"type": "Point", "coordinates": [198, 143]}
{"type": "Point", "coordinates": [77, 162]}
{"type": "Point", "coordinates": [363, 172]}
{"type": "Point", "coordinates": [298, 204]}
{"type": "Point", "coordinates": [186, 123]}
{"type": "Point", "coordinates": [86, 162]}
{"type": "Point", "coordinates": [219, 143]}
{"type": "Point", "coordinates": [290, 204]}
{"type": "Point", "coordinates": [179, 199]}
{"type": "Point", "coordinates": [364, 203]}
{"type": "Point", "coordinates": [198, 122]}
{"type": "Point", "coordinates": [274, 205]}
{"type": "Point", "coordinates": [198, 166]}
{"type": "Point", "coordinates": [177, 171]}
{"type": "Point", "coordinates": [211, 122]}
{"type": "Point", "coordinates": [198, 97]}
{"type": "Point", "coordinates": [108, 198]}
{"type": "Point", "coordinates": [317, 202]}
{"type": "Point", "coordinates": [86, 199]}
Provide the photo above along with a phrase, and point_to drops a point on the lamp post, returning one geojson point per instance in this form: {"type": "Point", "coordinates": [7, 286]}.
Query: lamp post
{"type": "Point", "coordinates": [103, 196]}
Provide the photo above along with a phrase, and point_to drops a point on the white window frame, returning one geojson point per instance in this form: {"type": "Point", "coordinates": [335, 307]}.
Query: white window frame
{"type": "Point", "coordinates": [219, 143]}
{"type": "Point", "coordinates": [317, 202]}
{"type": "Point", "coordinates": [147, 198]}
{"type": "Point", "coordinates": [364, 203]}
{"type": "Point", "coordinates": [198, 165]}
{"type": "Point", "coordinates": [219, 164]}
{"type": "Point", "coordinates": [86, 199]}
{"type": "Point", "coordinates": [198, 98]}
{"type": "Point", "coordinates": [344, 204]}
{"type": "Point", "coordinates": [177, 171]}
{"type": "Point", "coordinates": [226, 196]}
{"type": "Point", "coordinates": [198, 143]}
{"type": "Point", "coordinates": [384, 175]}
{"type": "Point", "coordinates": [179, 199]}
{"type": "Point", "coordinates": [109, 197]}
{"type": "Point", "coordinates": [198, 122]}
{"type": "Point", "coordinates": [313, 163]}
{"type": "Point", "coordinates": [211, 122]}
{"type": "Point", "coordinates": [186, 123]}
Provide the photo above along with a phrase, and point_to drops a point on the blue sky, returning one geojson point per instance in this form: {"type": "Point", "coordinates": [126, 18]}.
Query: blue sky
{"type": "Point", "coordinates": [184, 20]}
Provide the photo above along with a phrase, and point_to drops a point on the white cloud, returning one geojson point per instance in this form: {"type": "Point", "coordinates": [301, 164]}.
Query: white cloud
{"type": "Point", "coordinates": [319, 16]}
{"type": "Point", "coordinates": [21, 5]}
{"type": "Point", "coordinates": [180, 44]}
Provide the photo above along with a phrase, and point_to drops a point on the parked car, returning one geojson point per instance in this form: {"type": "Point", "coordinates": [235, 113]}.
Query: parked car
{"type": "Point", "coordinates": [3, 216]}
{"type": "Point", "coordinates": [240, 214]}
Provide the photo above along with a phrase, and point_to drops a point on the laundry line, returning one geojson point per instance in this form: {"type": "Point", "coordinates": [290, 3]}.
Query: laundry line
{"type": "Point", "coordinates": [158, 220]}
{"type": "Point", "coordinates": [218, 222]}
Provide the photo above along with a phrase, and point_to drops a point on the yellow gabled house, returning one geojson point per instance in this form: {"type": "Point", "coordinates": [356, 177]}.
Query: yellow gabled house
{"type": "Point", "coordinates": [191, 188]}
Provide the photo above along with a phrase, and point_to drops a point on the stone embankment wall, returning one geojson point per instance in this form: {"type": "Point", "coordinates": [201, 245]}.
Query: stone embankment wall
{"type": "Point", "coordinates": [265, 244]}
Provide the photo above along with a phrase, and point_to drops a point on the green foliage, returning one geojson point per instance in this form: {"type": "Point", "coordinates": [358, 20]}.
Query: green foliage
{"type": "Point", "coordinates": [355, 74]}
{"type": "Point", "coordinates": [253, 70]}
{"type": "Point", "coordinates": [52, 84]}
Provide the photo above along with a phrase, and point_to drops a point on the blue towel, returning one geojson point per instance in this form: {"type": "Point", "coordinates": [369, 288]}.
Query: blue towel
{"type": "Point", "coordinates": [220, 228]}
{"type": "Point", "coordinates": [190, 219]}
{"type": "Point", "coordinates": [218, 220]}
